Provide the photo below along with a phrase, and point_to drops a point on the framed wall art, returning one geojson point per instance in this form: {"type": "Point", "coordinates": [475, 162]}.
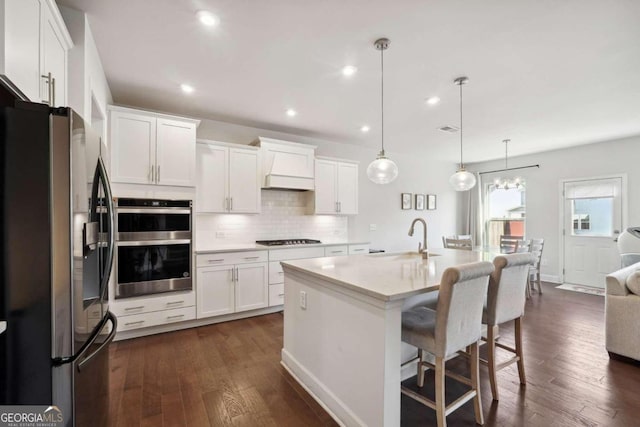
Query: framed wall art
{"type": "Point", "coordinates": [431, 202]}
{"type": "Point", "coordinates": [406, 200]}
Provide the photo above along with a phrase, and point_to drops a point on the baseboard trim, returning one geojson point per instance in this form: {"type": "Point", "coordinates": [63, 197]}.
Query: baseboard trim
{"type": "Point", "coordinates": [550, 278]}
{"type": "Point", "coordinates": [160, 329]}
{"type": "Point", "coordinates": [335, 407]}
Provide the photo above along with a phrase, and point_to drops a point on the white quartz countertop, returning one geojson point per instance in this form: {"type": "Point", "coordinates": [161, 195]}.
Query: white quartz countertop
{"type": "Point", "coordinates": [386, 276]}
{"type": "Point", "coordinates": [243, 247]}
{"type": "Point", "coordinates": [3, 326]}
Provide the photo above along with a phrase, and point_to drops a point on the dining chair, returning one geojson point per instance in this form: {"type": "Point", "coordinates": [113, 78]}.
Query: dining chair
{"type": "Point", "coordinates": [463, 244]}
{"type": "Point", "coordinates": [537, 245]}
{"type": "Point", "coordinates": [508, 243]}
{"type": "Point", "coordinates": [453, 326]}
{"type": "Point", "coordinates": [506, 298]}
{"type": "Point", "coordinates": [523, 245]}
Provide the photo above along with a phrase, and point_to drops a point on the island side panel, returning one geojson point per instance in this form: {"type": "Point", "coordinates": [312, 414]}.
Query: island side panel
{"type": "Point", "coordinates": [344, 348]}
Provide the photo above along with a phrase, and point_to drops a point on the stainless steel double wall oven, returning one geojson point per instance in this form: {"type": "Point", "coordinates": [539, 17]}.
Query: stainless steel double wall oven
{"type": "Point", "coordinates": [153, 246]}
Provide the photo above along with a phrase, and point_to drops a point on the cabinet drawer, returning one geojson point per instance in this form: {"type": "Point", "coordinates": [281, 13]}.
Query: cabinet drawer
{"type": "Point", "coordinates": [171, 300]}
{"type": "Point", "coordinates": [358, 249]}
{"type": "Point", "coordinates": [295, 253]}
{"type": "Point", "coordinates": [276, 275]}
{"type": "Point", "coordinates": [276, 294]}
{"type": "Point", "coordinates": [144, 320]}
{"type": "Point", "coordinates": [336, 250]}
{"type": "Point", "coordinates": [208, 260]}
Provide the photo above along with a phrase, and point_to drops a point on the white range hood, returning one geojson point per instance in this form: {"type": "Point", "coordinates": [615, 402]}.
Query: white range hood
{"type": "Point", "coordinates": [287, 165]}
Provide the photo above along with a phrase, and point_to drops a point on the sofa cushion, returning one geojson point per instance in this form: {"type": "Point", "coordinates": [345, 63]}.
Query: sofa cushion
{"type": "Point", "coordinates": [633, 282]}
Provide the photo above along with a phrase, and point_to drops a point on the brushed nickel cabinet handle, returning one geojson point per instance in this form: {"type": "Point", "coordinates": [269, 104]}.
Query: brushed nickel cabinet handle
{"type": "Point", "coordinates": [281, 295]}
{"type": "Point", "coordinates": [139, 307]}
{"type": "Point", "coordinates": [53, 91]}
{"type": "Point", "coordinates": [251, 257]}
{"type": "Point", "coordinates": [47, 77]}
{"type": "Point", "coordinates": [139, 322]}
{"type": "Point", "coordinates": [175, 302]}
{"type": "Point", "coordinates": [158, 174]}
{"type": "Point", "coordinates": [215, 260]}
{"type": "Point", "coordinates": [177, 316]}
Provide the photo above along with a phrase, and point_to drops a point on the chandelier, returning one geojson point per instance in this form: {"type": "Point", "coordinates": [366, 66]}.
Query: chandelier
{"type": "Point", "coordinates": [517, 182]}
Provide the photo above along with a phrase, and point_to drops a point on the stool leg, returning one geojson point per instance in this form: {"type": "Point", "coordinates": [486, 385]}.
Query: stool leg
{"type": "Point", "coordinates": [491, 359]}
{"type": "Point", "coordinates": [475, 383]}
{"type": "Point", "coordinates": [518, 328]}
{"type": "Point", "coordinates": [538, 282]}
{"type": "Point", "coordinates": [440, 402]}
{"type": "Point", "coordinates": [420, 368]}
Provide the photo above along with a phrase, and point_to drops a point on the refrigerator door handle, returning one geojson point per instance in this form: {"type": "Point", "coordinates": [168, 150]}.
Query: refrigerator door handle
{"type": "Point", "coordinates": [57, 361]}
{"type": "Point", "coordinates": [101, 176]}
{"type": "Point", "coordinates": [114, 326]}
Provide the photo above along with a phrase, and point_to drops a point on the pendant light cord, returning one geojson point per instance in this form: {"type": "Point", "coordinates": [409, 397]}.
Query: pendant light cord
{"type": "Point", "coordinates": [382, 95]}
{"type": "Point", "coordinates": [461, 163]}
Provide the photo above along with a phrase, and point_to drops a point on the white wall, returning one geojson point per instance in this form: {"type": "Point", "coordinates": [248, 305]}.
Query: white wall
{"type": "Point", "coordinates": [378, 204]}
{"type": "Point", "coordinates": [543, 187]}
{"type": "Point", "coordinates": [85, 72]}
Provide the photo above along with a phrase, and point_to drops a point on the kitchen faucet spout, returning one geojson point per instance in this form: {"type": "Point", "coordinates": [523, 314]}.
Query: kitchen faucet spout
{"type": "Point", "coordinates": [422, 246]}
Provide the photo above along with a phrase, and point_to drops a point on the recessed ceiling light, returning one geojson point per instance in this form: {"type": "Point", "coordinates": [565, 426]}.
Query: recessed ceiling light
{"type": "Point", "coordinates": [291, 112]}
{"type": "Point", "coordinates": [365, 129]}
{"type": "Point", "coordinates": [349, 70]}
{"type": "Point", "coordinates": [187, 88]}
{"type": "Point", "coordinates": [432, 100]}
{"type": "Point", "coordinates": [207, 18]}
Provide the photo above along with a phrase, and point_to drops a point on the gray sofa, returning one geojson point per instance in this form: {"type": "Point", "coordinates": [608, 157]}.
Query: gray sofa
{"type": "Point", "coordinates": [622, 315]}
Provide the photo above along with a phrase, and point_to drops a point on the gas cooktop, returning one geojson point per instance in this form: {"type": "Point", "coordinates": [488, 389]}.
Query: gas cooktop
{"type": "Point", "coordinates": [288, 242]}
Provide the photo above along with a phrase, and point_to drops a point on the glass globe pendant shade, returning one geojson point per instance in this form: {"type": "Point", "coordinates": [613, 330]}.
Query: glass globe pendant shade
{"type": "Point", "coordinates": [382, 170]}
{"type": "Point", "coordinates": [462, 180]}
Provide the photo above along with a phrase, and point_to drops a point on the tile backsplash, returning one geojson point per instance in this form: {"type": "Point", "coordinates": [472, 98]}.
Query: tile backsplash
{"type": "Point", "coordinates": [284, 216]}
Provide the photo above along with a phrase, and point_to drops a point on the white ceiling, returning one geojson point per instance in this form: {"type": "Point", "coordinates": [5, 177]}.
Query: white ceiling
{"type": "Point", "coordinates": [545, 73]}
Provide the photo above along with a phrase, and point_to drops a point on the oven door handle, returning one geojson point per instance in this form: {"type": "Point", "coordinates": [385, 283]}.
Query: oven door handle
{"type": "Point", "coordinates": [151, 211]}
{"type": "Point", "coordinates": [154, 242]}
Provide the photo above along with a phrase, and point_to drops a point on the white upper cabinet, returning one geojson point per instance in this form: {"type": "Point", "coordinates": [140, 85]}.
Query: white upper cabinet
{"type": "Point", "coordinates": [148, 148]}
{"type": "Point", "coordinates": [336, 189]}
{"type": "Point", "coordinates": [228, 178]}
{"type": "Point", "coordinates": [176, 152]}
{"type": "Point", "coordinates": [34, 49]}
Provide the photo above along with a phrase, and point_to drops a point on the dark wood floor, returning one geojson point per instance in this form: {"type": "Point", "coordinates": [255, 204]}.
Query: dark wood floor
{"type": "Point", "coordinates": [229, 375]}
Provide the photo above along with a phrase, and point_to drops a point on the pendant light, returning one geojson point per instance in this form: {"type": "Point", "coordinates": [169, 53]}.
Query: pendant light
{"type": "Point", "coordinates": [382, 170]}
{"type": "Point", "coordinates": [462, 180]}
{"type": "Point", "coordinates": [508, 183]}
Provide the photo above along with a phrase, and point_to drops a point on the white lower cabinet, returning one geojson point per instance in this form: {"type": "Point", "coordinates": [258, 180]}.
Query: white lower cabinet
{"type": "Point", "coordinates": [142, 312]}
{"type": "Point", "coordinates": [336, 250]}
{"type": "Point", "coordinates": [358, 249]}
{"type": "Point", "coordinates": [231, 288]}
{"type": "Point", "coordinates": [276, 275]}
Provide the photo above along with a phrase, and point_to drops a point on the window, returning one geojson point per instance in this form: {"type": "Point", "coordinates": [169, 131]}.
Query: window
{"type": "Point", "coordinates": [592, 216]}
{"type": "Point", "coordinates": [506, 211]}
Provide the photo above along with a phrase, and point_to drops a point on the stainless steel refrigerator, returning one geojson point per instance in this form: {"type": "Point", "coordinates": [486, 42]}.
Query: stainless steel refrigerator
{"type": "Point", "coordinates": [56, 256]}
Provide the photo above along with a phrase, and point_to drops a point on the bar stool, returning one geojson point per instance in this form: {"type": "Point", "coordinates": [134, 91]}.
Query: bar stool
{"type": "Point", "coordinates": [505, 302]}
{"type": "Point", "coordinates": [453, 326]}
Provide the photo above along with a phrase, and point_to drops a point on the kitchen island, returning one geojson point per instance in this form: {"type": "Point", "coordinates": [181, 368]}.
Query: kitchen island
{"type": "Point", "coordinates": [342, 327]}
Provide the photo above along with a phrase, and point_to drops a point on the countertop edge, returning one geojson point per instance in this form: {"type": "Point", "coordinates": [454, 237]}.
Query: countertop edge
{"type": "Point", "coordinates": [266, 248]}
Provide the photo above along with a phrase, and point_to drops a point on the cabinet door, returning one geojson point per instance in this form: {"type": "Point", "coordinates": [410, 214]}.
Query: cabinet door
{"type": "Point", "coordinates": [326, 187]}
{"type": "Point", "coordinates": [347, 188]}
{"type": "Point", "coordinates": [215, 294]}
{"type": "Point", "coordinates": [53, 56]}
{"type": "Point", "coordinates": [132, 143]}
{"type": "Point", "coordinates": [22, 46]}
{"type": "Point", "coordinates": [252, 289]}
{"type": "Point", "coordinates": [176, 153]}
{"type": "Point", "coordinates": [211, 184]}
{"type": "Point", "coordinates": [244, 181]}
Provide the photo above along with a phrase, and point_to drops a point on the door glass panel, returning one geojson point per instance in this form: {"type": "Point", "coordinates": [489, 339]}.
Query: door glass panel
{"type": "Point", "coordinates": [153, 262]}
{"type": "Point", "coordinates": [592, 217]}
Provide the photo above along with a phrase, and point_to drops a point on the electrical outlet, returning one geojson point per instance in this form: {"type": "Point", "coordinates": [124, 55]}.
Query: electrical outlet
{"type": "Point", "coordinates": [373, 227]}
{"type": "Point", "coordinates": [219, 234]}
{"type": "Point", "coordinates": [303, 300]}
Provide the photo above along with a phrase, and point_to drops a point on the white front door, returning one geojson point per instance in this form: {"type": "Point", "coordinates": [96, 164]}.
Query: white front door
{"type": "Point", "coordinates": [592, 220]}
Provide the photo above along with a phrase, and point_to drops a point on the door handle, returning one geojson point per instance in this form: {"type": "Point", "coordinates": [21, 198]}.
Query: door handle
{"type": "Point", "coordinates": [114, 325]}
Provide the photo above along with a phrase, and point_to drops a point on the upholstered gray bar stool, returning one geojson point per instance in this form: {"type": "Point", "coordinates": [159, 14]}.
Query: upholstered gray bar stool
{"type": "Point", "coordinates": [505, 302]}
{"type": "Point", "coordinates": [453, 326]}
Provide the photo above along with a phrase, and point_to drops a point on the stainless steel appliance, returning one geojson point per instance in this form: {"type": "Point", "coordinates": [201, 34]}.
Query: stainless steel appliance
{"type": "Point", "coordinates": [153, 246]}
{"type": "Point", "coordinates": [287, 242]}
{"type": "Point", "coordinates": [57, 248]}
